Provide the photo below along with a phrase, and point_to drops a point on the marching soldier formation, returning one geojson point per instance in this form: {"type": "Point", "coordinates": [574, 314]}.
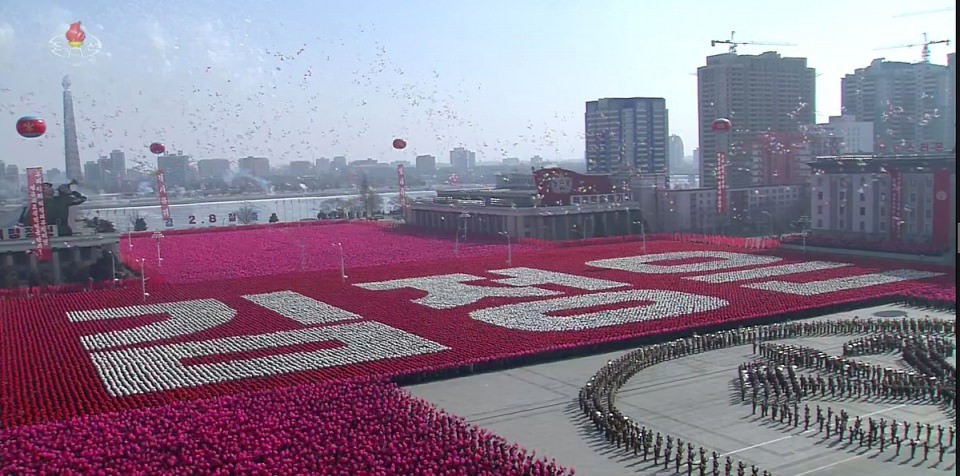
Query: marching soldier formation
{"type": "Point", "coordinates": [779, 390]}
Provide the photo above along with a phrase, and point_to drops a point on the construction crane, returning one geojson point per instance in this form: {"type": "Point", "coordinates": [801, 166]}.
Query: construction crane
{"type": "Point", "coordinates": [925, 52]}
{"type": "Point", "coordinates": [734, 44]}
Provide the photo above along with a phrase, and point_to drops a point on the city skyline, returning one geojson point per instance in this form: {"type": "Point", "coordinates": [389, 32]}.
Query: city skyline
{"type": "Point", "coordinates": [227, 83]}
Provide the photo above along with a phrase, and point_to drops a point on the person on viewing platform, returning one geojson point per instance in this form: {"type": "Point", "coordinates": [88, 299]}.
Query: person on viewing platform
{"type": "Point", "coordinates": [273, 218]}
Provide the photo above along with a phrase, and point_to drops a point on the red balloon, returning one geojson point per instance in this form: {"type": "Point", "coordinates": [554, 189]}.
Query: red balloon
{"type": "Point", "coordinates": [30, 127]}
{"type": "Point", "coordinates": [399, 144]}
{"type": "Point", "coordinates": [157, 148]}
{"type": "Point", "coordinates": [721, 125]}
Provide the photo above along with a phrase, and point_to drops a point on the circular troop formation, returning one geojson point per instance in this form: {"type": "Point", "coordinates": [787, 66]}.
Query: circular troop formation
{"type": "Point", "coordinates": [348, 428]}
{"type": "Point", "coordinates": [786, 375]}
{"type": "Point", "coordinates": [779, 388]}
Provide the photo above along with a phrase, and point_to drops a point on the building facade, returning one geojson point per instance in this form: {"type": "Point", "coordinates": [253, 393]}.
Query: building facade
{"type": "Point", "coordinates": [213, 168]}
{"type": "Point", "coordinates": [752, 210]}
{"type": "Point", "coordinates": [856, 137]}
{"type": "Point", "coordinates": [463, 161]}
{"type": "Point", "coordinates": [906, 198]}
{"type": "Point", "coordinates": [908, 104]}
{"type": "Point", "coordinates": [426, 165]}
{"type": "Point", "coordinates": [257, 167]}
{"type": "Point", "coordinates": [176, 169]}
{"type": "Point", "coordinates": [560, 205]}
{"type": "Point", "coordinates": [756, 93]}
{"type": "Point", "coordinates": [627, 135]}
{"type": "Point", "coordinates": [952, 98]}
{"type": "Point", "coordinates": [300, 168]}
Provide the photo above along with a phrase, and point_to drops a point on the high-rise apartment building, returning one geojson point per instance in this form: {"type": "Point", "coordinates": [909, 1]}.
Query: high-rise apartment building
{"type": "Point", "coordinates": [118, 163]}
{"type": "Point", "coordinates": [907, 103]}
{"type": "Point", "coordinates": [426, 165]}
{"type": "Point", "coordinates": [856, 137]}
{"type": "Point", "coordinates": [462, 160]}
{"type": "Point", "coordinates": [676, 151]}
{"type": "Point", "coordinates": [757, 93]}
{"type": "Point", "coordinates": [213, 168]}
{"type": "Point", "coordinates": [300, 168]}
{"type": "Point", "coordinates": [176, 169]}
{"type": "Point", "coordinates": [952, 108]}
{"type": "Point", "coordinates": [257, 167]}
{"type": "Point", "coordinates": [627, 135]}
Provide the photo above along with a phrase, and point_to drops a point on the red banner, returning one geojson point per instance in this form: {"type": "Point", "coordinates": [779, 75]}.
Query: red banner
{"type": "Point", "coordinates": [942, 200]}
{"type": "Point", "coordinates": [38, 213]}
{"type": "Point", "coordinates": [402, 195]}
{"type": "Point", "coordinates": [721, 183]}
{"type": "Point", "coordinates": [556, 186]}
{"type": "Point", "coordinates": [896, 204]}
{"type": "Point", "coordinates": [164, 202]}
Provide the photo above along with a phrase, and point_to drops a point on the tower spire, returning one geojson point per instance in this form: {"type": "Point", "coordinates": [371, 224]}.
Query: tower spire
{"type": "Point", "coordinates": [71, 148]}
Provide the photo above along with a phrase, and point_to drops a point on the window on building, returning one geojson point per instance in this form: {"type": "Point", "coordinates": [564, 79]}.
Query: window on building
{"type": "Point", "coordinates": [883, 196]}
{"type": "Point", "coordinates": [819, 209]}
{"type": "Point", "coordinates": [819, 195]}
{"type": "Point", "coordinates": [843, 195]}
{"type": "Point", "coordinates": [863, 211]}
{"type": "Point", "coordinates": [883, 211]}
{"type": "Point", "coordinates": [842, 210]}
{"type": "Point", "coordinates": [928, 213]}
{"type": "Point", "coordinates": [913, 197]}
{"type": "Point", "coordinates": [863, 227]}
{"type": "Point", "coordinates": [863, 197]}
{"type": "Point", "coordinates": [820, 223]}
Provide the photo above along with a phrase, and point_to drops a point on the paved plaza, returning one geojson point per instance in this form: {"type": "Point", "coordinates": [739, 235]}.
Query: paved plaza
{"type": "Point", "coordinates": [693, 397]}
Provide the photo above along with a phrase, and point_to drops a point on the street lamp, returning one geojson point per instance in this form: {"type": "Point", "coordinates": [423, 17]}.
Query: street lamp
{"type": "Point", "coordinates": [509, 248]}
{"type": "Point", "coordinates": [456, 225]}
{"type": "Point", "coordinates": [143, 277]}
{"type": "Point", "coordinates": [343, 272]}
{"type": "Point", "coordinates": [113, 267]}
{"type": "Point", "coordinates": [158, 236]}
{"type": "Point", "coordinates": [129, 236]}
{"type": "Point", "coordinates": [643, 234]}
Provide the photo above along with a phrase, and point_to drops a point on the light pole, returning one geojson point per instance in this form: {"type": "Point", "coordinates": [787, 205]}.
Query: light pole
{"type": "Point", "coordinates": [464, 216]}
{"type": "Point", "coordinates": [158, 236]}
{"type": "Point", "coordinates": [509, 248]}
{"type": "Point", "coordinates": [129, 237]}
{"type": "Point", "coordinates": [643, 234]}
{"type": "Point", "coordinates": [303, 256]}
{"type": "Point", "coordinates": [143, 277]}
{"type": "Point", "coordinates": [113, 267]}
{"type": "Point", "coordinates": [456, 242]}
{"type": "Point", "coordinates": [343, 272]}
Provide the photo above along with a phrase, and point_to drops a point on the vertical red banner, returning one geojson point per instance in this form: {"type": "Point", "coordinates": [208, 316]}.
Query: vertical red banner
{"type": "Point", "coordinates": [402, 195]}
{"type": "Point", "coordinates": [896, 205]}
{"type": "Point", "coordinates": [164, 202]}
{"type": "Point", "coordinates": [721, 183]}
{"type": "Point", "coordinates": [942, 200]}
{"type": "Point", "coordinates": [38, 213]}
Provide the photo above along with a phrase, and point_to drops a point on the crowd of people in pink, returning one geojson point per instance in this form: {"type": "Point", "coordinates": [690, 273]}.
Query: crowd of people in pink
{"type": "Point", "coordinates": [348, 428]}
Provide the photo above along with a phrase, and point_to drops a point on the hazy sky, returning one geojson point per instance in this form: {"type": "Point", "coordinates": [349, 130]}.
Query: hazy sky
{"type": "Point", "coordinates": [299, 79]}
